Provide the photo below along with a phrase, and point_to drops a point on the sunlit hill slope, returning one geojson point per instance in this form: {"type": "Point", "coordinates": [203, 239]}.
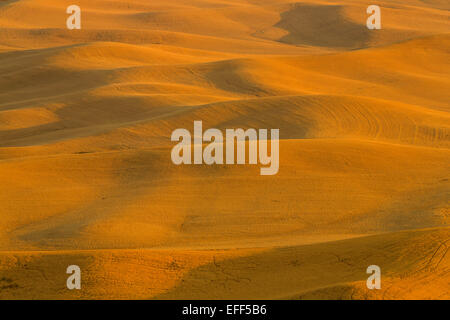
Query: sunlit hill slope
{"type": "Point", "coordinates": [86, 176]}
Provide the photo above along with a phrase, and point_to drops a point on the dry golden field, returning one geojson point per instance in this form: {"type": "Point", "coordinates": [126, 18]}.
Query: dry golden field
{"type": "Point", "coordinates": [86, 176]}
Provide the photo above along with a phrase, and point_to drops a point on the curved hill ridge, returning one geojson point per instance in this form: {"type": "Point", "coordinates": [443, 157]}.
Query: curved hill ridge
{"type": "Point", "coordinates": [86, 176]}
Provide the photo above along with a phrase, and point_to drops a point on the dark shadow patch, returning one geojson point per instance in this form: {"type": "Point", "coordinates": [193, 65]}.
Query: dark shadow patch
{"type": "Point", "coordinates": [8, 283]}
{"type": "Point", "coordinates": [6, 2]}
{"type": "Point", "coordinates": [323, 26]}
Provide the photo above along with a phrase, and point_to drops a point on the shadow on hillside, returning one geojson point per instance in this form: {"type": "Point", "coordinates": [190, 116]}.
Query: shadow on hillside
{"type": "Point", "coordinates": [323, 26]}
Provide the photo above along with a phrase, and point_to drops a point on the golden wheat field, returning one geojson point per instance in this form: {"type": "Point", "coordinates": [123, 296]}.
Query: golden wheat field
{"type": "Point", "coordinates": [86, 176]}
